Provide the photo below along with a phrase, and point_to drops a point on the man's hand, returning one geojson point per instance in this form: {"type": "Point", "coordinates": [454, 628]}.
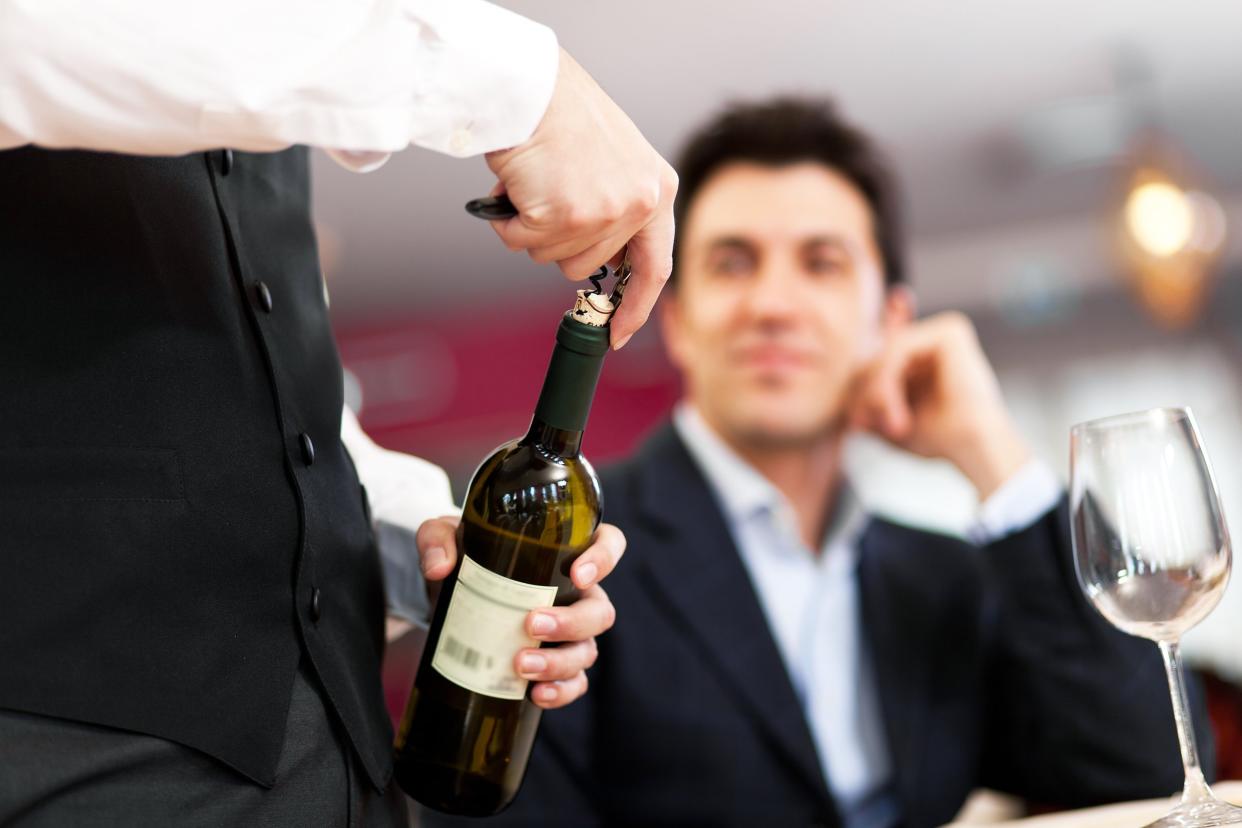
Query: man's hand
{"type": "Point", "coordinates": [588, 188]}
{"type": "Point", "coordinates": [932, 392]}
{"type": "Point", "coordinates": [559, 672]}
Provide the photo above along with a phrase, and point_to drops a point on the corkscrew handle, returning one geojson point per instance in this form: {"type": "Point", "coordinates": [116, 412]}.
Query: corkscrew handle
{"type": "Point", "coordinates": [491, 208]}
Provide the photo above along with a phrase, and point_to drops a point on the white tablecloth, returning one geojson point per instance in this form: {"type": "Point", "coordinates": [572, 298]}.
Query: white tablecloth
{"type": "Point", "coordinates": [1123, 815]}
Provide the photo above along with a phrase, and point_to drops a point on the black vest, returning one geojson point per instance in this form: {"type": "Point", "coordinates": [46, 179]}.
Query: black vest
{"type": "Point", "coordinates": [179, 523]}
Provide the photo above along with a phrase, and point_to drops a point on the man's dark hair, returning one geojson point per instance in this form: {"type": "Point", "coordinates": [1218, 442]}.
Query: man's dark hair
{"type": "Point", "coordinates": [788, 131]}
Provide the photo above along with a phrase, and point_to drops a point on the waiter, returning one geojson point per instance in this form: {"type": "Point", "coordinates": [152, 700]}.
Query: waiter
{"type": "Point", "coordinates": [191, 605]}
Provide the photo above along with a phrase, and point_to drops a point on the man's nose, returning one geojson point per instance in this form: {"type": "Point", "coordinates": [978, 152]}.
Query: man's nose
{"type": "Point", "coordinates": [773, 294]}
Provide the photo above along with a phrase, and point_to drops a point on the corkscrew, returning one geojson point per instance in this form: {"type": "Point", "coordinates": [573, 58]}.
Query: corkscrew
{"type": "Point", "coordinates": [494, 208]}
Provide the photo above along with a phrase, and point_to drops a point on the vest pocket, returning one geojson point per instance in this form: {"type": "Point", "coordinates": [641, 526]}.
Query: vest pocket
{"type": "Point", "coordinates": [91, 473]}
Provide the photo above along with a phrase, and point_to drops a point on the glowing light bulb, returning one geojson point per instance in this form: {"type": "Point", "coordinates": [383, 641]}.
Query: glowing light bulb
{"type": "Point", "coordinates": [1160, 218]}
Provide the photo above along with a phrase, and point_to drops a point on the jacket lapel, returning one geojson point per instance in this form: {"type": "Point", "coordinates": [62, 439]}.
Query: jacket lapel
{"type": "Point", "coordinates": [701, 580]}
{"type": "Point", "coordinates": [898, 596]}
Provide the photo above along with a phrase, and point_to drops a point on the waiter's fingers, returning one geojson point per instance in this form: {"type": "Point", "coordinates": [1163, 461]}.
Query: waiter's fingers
{"type": "Point", "coordinates": [589, 260]}
{"type": "Point", "coordinates": [542, 225]}
{"type": "Point", "coordinates": [570, 249]}
{"type": "Point", "coordinates": [589, 616]}
{"type": "Point", "coordinates": [600, 558]}
{"type": "Point", "coordinates": [651, 259]}
{"type": "Point", "coordinates": [556, 663]}
{"type": "Point", "coordinates": [437, 546]}
{"type": "Point", "coordinates": [552, 694]}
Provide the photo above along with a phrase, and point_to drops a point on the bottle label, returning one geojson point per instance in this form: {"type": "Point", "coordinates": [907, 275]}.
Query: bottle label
{"type": "Point", "coordinates": [484, 628]}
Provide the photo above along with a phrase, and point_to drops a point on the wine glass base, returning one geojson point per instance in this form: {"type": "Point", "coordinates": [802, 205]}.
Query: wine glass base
{"type": "Point", "coordinates": [1204, 814]}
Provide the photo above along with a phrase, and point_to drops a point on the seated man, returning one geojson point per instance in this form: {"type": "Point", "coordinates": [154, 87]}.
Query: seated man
{"type": "Point", "coordinates": [784, 658]}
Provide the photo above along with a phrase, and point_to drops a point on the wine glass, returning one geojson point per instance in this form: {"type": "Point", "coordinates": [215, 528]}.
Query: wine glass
{"type": "Point", "coordinates": [1151, 550]}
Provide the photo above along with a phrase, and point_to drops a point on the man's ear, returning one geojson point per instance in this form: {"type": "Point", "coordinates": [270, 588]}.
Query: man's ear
{"type": "Point", "coordinates": [899, 309]}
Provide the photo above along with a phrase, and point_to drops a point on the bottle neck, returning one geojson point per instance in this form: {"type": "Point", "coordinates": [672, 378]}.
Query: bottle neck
{"type": "Point", "coordinates": [560, 442]}
{"type": "Point", "coordinates": [569, 387]}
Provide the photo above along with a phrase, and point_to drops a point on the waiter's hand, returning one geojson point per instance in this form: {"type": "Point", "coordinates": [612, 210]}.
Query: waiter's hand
{"type": "Point", "coordinates": [588, 187]}
{"type": "Point", "coordinates": [559, 672]}
{"type": "Point", "coordinates": [932, 391]}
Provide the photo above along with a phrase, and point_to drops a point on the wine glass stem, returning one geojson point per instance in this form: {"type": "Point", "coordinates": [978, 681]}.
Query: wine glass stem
{"type": "Point", "coordinates": [1196, 789]}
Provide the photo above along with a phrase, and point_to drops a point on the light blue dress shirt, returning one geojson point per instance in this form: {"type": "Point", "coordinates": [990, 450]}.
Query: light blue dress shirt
{"type": "Point", "coordinates": [811, 602]}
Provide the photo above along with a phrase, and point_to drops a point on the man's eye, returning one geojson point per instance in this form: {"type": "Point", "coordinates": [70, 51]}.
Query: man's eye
{"type": "Point", "coordinates": [731, 264]}
{"type": "Point", "coordinates": [826, 265]}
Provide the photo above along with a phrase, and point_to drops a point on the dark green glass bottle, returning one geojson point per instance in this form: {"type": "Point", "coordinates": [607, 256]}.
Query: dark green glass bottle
{"type": "Point", "coordinates": [531, 509]}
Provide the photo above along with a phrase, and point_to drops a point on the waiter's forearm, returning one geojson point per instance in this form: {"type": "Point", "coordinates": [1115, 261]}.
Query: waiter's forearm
{"type": "Point", "coordinates": [153, 77]}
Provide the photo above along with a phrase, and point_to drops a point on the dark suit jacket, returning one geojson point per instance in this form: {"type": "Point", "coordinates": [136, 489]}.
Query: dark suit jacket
{"type": "Point", "coordinates": [992, 670]}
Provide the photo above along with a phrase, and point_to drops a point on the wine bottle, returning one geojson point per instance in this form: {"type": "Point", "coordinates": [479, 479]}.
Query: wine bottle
{"type": "Point", "coordinates": [532, 507]}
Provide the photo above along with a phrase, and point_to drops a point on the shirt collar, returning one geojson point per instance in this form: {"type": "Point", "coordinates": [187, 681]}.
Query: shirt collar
{"type": "Point", "coordinates": [743, 492]}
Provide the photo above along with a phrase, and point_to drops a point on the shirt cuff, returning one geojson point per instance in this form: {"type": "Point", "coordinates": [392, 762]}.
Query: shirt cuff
{"type": "Point", "coordinates": [402, 491]}
{"type": "Point", "coordinates": [404, 585]}
{"type": "Point", "coordinates": [488, 77]}
{"type": "Point", "coordinates": [359, 161]}
{"type": "Point", "coordinates": [1023, 499]}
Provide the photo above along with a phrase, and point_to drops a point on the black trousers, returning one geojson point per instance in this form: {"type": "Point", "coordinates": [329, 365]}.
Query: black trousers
{"type": "Point", "coordinates": [61, 774]}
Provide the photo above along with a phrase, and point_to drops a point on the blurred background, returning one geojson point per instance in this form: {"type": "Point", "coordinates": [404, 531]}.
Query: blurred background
{"type": "Point", "coordinates": [1073, 181]}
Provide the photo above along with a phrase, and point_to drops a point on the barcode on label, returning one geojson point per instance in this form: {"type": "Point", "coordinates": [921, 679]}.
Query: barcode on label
{"type": "Point", "coordinates": [484, 627]}
{"type": "Point", "coordinates": [459, 652]}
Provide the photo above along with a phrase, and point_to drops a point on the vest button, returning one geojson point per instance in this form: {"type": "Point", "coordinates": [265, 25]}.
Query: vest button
{"type": "Point", "coordinates": [308, 448]}
{"type": "Point", "coordinates": [226, 162]}
{"type": "Point", "coordinates": [314, 605]}
{"type": "Point", "coordinates": [264, 295]}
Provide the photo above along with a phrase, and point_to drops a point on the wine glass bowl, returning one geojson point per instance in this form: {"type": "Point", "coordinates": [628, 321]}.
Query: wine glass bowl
{"type": "Point", "coordinates": [1151, 547]}
{"type": "Point", "coordinates": [1152, 553]}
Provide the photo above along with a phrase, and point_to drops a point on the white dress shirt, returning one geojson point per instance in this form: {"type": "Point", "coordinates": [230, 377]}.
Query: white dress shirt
{"type": "Point", "coordinates": [811, 602]}
{"type": "Point", "coordinates": [366, 77]}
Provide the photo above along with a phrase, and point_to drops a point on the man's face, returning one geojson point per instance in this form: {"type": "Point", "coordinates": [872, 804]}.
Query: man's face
{"type": "Point", "coordinates": [779, 301]}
